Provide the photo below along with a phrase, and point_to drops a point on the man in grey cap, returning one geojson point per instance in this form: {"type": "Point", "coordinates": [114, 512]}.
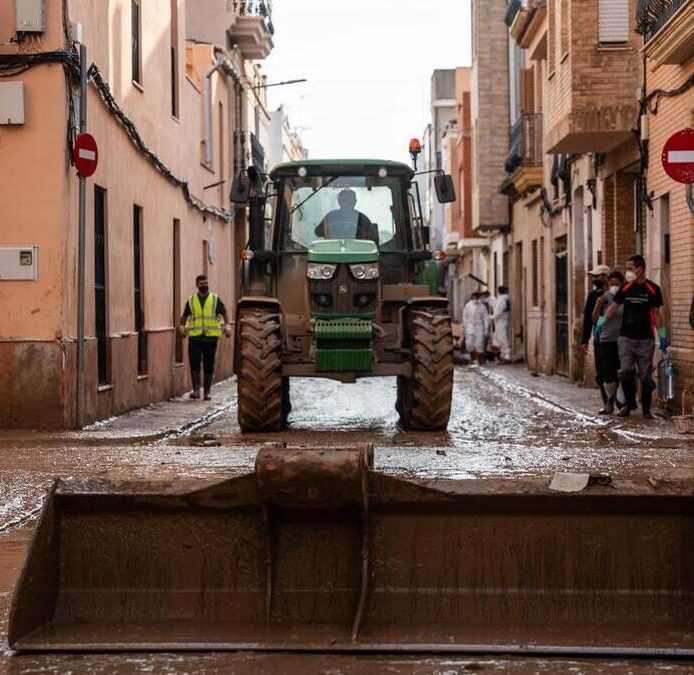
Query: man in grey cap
{"type": "Point", "coordinates": [599, 279]}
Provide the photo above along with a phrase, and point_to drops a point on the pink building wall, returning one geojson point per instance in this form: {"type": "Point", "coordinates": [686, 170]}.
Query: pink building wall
{"type": "Point", "coordinates": [39, 205]}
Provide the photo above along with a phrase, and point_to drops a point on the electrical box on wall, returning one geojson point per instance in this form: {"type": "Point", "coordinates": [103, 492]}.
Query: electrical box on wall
{"type": "Point", "coordinates": [30, 16]}
{"type": "Point", "coordinates": [19, 263]}
{"type": "Point", "coordinates": [11, 102]}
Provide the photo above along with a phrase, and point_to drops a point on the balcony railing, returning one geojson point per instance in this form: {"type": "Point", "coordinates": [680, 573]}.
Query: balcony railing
{"type": "Point", "coordinates": [257, 153]}
{"type": "Point", "coordinates": [514, 6]}
{"type": "Point", "coordinates": [256, 8]}
{"type": "Point", "coordinates": [532, 139]}
{"type": "Point", "coordinates": [652, 15]}
{"type": "Point", "coordinates": [525, 143]}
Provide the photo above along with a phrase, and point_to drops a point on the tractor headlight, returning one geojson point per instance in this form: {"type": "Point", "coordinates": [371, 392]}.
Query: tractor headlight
{"type": "Point", "coordinates": [365, 271]}
{"type": "Point", "coordinates": [320, 272]}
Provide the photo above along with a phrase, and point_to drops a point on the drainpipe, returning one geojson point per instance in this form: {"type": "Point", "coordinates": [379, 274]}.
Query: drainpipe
{"type": "Point", "coordinates": [224, 63]}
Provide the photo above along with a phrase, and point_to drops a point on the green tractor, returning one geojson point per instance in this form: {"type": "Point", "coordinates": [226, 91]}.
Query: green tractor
{"type": "Point", "coordinates": [338, 281]}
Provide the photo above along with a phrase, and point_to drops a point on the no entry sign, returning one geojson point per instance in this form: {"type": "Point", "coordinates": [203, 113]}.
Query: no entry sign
{"type": "Point", "coordinates": [678, 156]}
{"type": "Point", "coordinates": [85, 155]}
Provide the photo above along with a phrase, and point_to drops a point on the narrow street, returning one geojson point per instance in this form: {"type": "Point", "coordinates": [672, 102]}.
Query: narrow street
{"type": "Point", "coordinates": [506, 425]}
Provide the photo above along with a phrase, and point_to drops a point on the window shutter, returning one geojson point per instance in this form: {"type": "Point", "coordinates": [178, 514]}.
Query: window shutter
{"type": "Point", "coordinates": [527, 91]}
{"type": "Point", "coordinates": [613, 21]}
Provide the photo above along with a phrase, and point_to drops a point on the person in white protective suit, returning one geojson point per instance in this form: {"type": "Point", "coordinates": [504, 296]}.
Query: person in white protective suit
{"type": "Point", "coordinates": [476, 322]}
{"type": "Point", "coordinates": [502, 323]}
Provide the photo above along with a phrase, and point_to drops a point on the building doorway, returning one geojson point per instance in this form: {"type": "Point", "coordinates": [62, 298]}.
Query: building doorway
{"type": "Point", "coordinates": [561, 321]}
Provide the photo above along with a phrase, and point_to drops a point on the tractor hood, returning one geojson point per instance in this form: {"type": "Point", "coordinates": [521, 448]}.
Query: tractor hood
{"type": "Point", "coordinates": [343, 251]}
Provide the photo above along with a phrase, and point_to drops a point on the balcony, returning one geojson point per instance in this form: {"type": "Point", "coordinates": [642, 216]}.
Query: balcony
{"type": "Point", "coordinates": [524, 161]}
{"type": "Point", "coordinates": [257, 153]}
{"type": "Point", "coordinates": [252, 29]}
{"type": "Point", "coordinates": [668, 26]}
{"type": "Point", "coordinates": [524, 19]}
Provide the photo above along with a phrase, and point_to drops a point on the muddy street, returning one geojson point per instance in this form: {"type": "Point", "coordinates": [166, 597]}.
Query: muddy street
{"type": "Point", "coordinates": [505, 425]}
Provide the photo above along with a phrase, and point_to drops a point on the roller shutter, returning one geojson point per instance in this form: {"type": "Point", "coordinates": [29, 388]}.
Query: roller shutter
{"type": "Point", "coordinates": [613, 21]}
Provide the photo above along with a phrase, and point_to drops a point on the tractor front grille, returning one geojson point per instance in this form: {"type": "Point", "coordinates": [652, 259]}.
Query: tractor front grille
{"type": "Point", "coordinates": [343, 295]}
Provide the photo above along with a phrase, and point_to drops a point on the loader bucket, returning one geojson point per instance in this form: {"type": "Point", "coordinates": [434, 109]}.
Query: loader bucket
{"type": "Point", "coordinates": [317, 552]}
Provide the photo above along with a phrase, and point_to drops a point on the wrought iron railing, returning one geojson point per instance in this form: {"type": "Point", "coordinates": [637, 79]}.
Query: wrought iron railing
{"type": "Point", "coordinates": [257, 153]}
{"type": "Point", "coordinates": [514, 6]}
{"type": "Point", "coordinates": [652, 15]}
{"type": "Point", "coordinates": [531, 149]}
{"type": "Point", "coordinates": [525, 142]}
{"type": "Point", "coordinates": [255, 8]}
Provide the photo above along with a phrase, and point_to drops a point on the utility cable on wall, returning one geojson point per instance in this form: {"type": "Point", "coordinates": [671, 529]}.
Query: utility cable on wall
{"type": "Point", "coordinates": [131, 131]}
{"type": "Point", "coordinates": [12, 65]}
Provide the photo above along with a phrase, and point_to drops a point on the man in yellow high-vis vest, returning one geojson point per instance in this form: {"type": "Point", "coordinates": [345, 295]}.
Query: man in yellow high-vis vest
{"type": "Point", "coordinates": [200, 322]}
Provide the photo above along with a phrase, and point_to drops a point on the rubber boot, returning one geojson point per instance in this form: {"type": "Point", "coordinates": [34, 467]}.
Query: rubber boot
{"type": "Point", "coordinates": [611, 389]}
{"type": "Point", "coordinates": [195, 377]}
{"type": "Point", "coordinates": [629, 388]}
{"type": "Point", "coordinates": [647, 398]}
{"type": "Point", "coordinates": [603, 392]}
{"type": "Point", "coordinates": [208, 386]}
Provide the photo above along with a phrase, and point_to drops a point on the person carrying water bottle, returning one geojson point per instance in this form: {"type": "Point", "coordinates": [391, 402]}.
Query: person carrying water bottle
{"type": "Point", "coordinates": [642, 300]}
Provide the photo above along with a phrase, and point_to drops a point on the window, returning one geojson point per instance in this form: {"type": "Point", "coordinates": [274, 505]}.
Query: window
{"type": "Point", "coordinates": [178, 345]}
{"type": "Point", "coordinates": [565, 35]}
{"type": "Point", "coordinates": [136, 42]}
{"type": "Point", "coordinates": [551, 33]}
{"type": "Point", "coordinates": [535, 275]}
{"type": "Point", "coordinates": [100, 287]}
{"type": "Point", "coordinates": [174, 58]}
{"type": "Point", "coordinates": [315, 208]}
{"type": "Point", "coordinates": [613, 21]}
{"type": "Point", "coordinates": [138, 291]}
{"type": "Point", "coordinates": [496, 272]}
{"type": "Point", "coordinates": [222, 156]}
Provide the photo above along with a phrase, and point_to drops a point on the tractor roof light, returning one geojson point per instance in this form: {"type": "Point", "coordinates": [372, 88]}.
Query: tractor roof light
{"type": "Point", "coordinates": [415, 150]}
{"type": "Point", "coordinates": [246, 254]}
{"type": "Point", "coordinates": [439, 255]}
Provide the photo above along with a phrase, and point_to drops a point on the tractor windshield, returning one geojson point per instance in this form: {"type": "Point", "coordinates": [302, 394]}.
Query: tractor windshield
{"type": "Point", "coordinates": [342, 207]}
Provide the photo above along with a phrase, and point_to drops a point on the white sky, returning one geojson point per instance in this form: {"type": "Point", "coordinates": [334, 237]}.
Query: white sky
{"type": "Point", "coordinates": [369, 64]}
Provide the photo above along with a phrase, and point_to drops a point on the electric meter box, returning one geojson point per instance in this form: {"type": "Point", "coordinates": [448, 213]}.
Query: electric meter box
{"type": "Point", "coordinates": [30, 16]}
{"type": "Point", "coordinates": [11, 102]}
{"type": "Point", "coordinates": [19, 263]}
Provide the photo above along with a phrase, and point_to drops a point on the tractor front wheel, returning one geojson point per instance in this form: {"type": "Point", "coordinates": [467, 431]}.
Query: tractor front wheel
{"type": "Point", "coordinates": [424, 401]}
{"type": "Point", "coordinates": [263, 394]}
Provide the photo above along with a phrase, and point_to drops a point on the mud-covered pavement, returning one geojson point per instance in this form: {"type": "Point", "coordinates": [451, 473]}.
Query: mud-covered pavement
{"type": "Point", "coordinates": [505, 425]}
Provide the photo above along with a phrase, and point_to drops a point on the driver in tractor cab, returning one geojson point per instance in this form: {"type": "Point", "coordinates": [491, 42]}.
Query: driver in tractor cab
{"type": "Point", "coordinates": [346, 222]}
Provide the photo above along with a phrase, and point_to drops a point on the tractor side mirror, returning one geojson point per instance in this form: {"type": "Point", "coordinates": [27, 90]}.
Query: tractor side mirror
{"type": "Point", "coordinates": [256, 224]}
{"type": "Point", "coordinates": [240, 188]}
{"type": "Point", "coordinates": [445, 189]}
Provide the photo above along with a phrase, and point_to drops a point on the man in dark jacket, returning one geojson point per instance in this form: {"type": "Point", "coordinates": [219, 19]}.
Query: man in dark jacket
{"type": "Point", "coordinates": [347, 222]}
{"type": "Point", "coordinates": [599, 278]}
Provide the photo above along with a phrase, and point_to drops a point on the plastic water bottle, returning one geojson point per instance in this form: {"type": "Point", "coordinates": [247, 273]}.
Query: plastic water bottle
{"type": "Point", "coordinates": [666, 379]}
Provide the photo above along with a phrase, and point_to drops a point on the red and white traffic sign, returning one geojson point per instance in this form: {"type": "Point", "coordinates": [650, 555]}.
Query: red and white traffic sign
{"type": "Point", "coordinates": [85, 155]}
{"type": "Point", "coordinates": [678, 156]}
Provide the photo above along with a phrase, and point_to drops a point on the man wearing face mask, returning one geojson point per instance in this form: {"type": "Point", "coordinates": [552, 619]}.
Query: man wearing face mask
{"type": "Point", "coordinates": [599, 279]}
{"type": "Point", "coordinates": [642, 300]}
{"type": "Point", "coordinates": [200, 321]}
{"type": "Point", "coordinates": [606, 340]}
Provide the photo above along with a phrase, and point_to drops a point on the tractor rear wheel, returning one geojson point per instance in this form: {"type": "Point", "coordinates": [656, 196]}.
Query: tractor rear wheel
{"type": "Point", "coordinates": [424, 401]}
{"type": "Point", "coordinates": [263, 394]}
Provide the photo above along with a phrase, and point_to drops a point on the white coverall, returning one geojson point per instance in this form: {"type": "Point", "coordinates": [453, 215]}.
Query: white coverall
{"type": "Point", "coordinates": [476, 326]}
{"type": "Point", "coordinates": [502, 320]}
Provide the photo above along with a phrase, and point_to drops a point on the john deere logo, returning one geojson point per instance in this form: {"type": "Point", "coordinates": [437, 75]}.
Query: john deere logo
{"type": "Point", "coordinates": [343, 290]}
